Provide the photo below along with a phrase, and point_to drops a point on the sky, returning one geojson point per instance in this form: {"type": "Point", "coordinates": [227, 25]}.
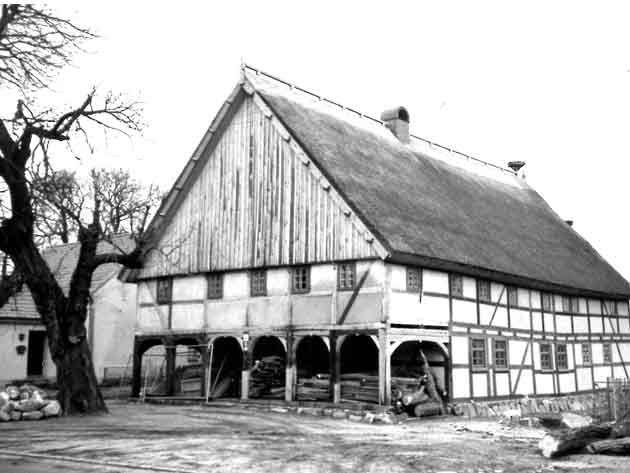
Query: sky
{"type": "Point", "coordinates": [543, 82]}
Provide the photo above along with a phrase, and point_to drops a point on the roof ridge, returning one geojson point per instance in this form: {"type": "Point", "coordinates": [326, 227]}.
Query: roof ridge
{"type": "Point", "coordinates": [433, 144]}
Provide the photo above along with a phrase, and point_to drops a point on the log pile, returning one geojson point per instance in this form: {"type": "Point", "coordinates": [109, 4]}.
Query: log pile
{"type": "Point", "coordinates": [316, 388]}
{"type": "Point", "coordinates": [267, 378]}
{"type": "Point", "coordinates": [359, 387]}
{"type": "Point", "coordinates": [606, 439]}
{"type": "Point", "coordinates": [26, 403]}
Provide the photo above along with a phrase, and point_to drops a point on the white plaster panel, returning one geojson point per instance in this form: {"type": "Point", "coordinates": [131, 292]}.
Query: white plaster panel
{"type": "Point", "coordinates": [146, 292]}
{"type": "Point", "coordinates": [622, 307]}
{"type": "Point", "coordinates": [480, 385]}
{"type": "Point", "coordinates": [310, 310]}
{"type": "Point", "coordinates": [597, 325]}
{"type": "Point", "coordinates": [582, 304]}
{"type": "Point", "coordinates": [187, 316]}
{"type": "Point", "coordinates": [189, 288]}
{"type": "Point", "coordinates": [13, 365]}
{"type": "Point", "coordinates": [485, 315]}
{"type": "Point", "coordinates": [523, 297]}
{"type": "Point", "coordinates": [584, 379]}
{"type": "Point", "coordinates": [537, 321]}
{"type": "Point", "coordinates": [525, 385]}
{"type": "Point", "coordinates": [544, 383]}
{"type": "Point", "coordinates": [277, 282]}
{"type": "Point", "coordinates": [459, 350]}
{"type": "Point", "coordinates": [434, 311]}
{"type": "Point", "coordinates": [469, 287]}
{"type": "Point", "coordinates": [323, 277]}
{"type": "Point", "coordinates": [536, 348]}
{"type": "Point", "coordinates": [435, 281]}
{"type": "Point", "coordinates": [580, 324]}
{"type": "Point", "coordinates": [496, 291]}
{"type": "Point", "coordinates": [236, 284]}
{"type": "Point", "coordinates": [563, 324]}
{"type": "Point", "coordinates": [503, 384]}
{"type": "Point", "coordinates": [615, 352]}
{"type": "Point", "coordinates": [624, 325]}
{"type": "Point", "coordinates": [464, 311]}
{"type": "Point", "coordinates": [566, 382]}
{"type": "Point", "coordinates": [549, 326]}
{"type": "Point", "coordinates": [461, 383]}
{"type": "Point", "coordinates": [625, 351]}
{"type": "Point", "coordinates": [365, 309]}
{"type": "Point", "coordinates": [399, 277]}
{"type": "Point", "coordinates": [268, 311]}
{"type": "Point", "coordinates": [376, 277]}
{"type": "Point", "coordinates": [557, 302]}
{"type": "Point", "coordinates": [597, 350]}
{"type": "Point", "coordinates": [619, 372]}
{"type": "Point", "coordinates": [601, 374]}
{"type": "Point", "coordinates": [535, 297]}
{"type": "Point", "coordinates": [405, 308]}
{"type": "Point", "coordinates": [152, 317]}
{"type": "Point", "coordinates": [594, 306]}
{"type": "Point", "coordinates": [516, 349]}
{"type": "Point", "coordinates": [519, 319]}
{"type": "Point", "coordinates": [222, 314]}
{"type": "Point", "coordinates": [570, 348]}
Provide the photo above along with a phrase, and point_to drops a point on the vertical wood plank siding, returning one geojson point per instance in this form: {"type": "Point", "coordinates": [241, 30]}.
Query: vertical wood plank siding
{"type": "Point", "coordinates": [257, 202]}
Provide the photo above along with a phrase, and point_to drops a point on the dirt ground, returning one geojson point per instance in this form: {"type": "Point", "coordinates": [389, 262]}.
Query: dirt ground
{"type": "Point", "coordinates": [141, 437]}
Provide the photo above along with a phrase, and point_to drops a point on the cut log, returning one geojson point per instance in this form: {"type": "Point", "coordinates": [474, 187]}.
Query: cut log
{"type": "Point", "coordinates": [556, 444]}
{"type": "Point", "coordinates": [620, 446]}
{"type": "Point", "coordinates": [426, 409]}
{"type": "Point", "coordinates": [411, 399]}
{"type": "Point", "coordinates": [431, 385]}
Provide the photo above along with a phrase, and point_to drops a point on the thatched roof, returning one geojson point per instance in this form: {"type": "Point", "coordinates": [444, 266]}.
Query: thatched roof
{"type": "Point", "coordinates": [454, 215]}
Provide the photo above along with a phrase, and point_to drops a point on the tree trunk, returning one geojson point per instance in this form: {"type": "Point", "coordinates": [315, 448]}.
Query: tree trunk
{"type": "Point", "coordinates": [619, 446]}
{"type": "Point", "coordinates": [78, 388]}
{"type": "Point", "coordinates": [553, 445]}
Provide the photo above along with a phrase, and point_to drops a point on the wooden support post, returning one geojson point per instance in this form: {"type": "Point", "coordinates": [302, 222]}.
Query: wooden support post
{"type": "Point", "coordinates": [335, 368]}
{"type": "Point", "coordinates": [205, 372]}
{"type": "Point", "coordinates": [384, 369]}
{"type": "Point", "coordinates": [247, 365]}
{"type": "Point", "coordinates": [170, 369]}
{"type": "Point", "coordinates": [289, 381]}
{"type": "Point", "coordinates": [136, 377]}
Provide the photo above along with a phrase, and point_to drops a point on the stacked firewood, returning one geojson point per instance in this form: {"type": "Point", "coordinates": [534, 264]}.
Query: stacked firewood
{"type": "Point", "coordinates": [315, 388]}
{"type": "Point", "coordinates": [26, 403]}
{"type": "Point", "coordinates": [608, 438]}
{"type": "Point", "coordinates": [267, 377]}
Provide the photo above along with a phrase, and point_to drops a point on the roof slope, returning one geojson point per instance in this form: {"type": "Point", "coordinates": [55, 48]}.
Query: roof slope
{"type": "Point", "coordinates": [421, 205]}
{"type": "Point", "coordinates": [62, 260]}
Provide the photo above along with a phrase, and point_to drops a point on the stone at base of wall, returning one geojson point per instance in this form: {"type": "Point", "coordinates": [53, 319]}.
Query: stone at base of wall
{"type": "Point", "coordinates": [586, 403]}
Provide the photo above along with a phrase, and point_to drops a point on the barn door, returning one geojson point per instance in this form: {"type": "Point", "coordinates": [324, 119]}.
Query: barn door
{"type": "Point", "coordinates": [35, 358]}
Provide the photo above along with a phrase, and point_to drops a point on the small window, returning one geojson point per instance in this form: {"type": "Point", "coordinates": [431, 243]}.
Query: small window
{"type": "Point", "coordinates": [457, 285]}
{"type": "Point", "coordinates": [414, 279]}
{"type": "Point", "coordinates": [164, 290]}
{"type": "Point", "coordinates": [546, 302]}
{"type": "Point", "coordinates": [512, 296]}
{"type": "Point", "coordinates": [193, 356]}
{"type": "Point", "coordinates": [215, 285]}
{"type": "Point", "coordinates": [545, 356]}
{"type": "Point", "coordinates": [562, 362]}
{"type": "Point", "coordinates": [478, 352]}
{"type": "Point", "coordinates": [607, 352]}
{"type": "Point", "coordinates": [258, 283]}
{"type": "Point", "coordinates": [609, 308]}
{"type": "Point", "coordinates": [301, 279]}
{"type": "Point", "coordinates": [566, 304]}
{"type": "Point", "coordinates": [483, 290]}
{"type": "Point", "coordinates": [346, 276]}
{"type": "Point", "coordinates": [500, 354]}
{"type": "Point", "coordinates": [587, 358]}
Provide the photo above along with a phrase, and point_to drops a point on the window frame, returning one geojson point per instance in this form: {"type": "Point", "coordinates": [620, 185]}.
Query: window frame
{"type": "Point", "coordinates": [503, 367]}
{"type": "Point", "coordinates": [411, 270]}
{"type": "Point", "coordinates": [543, 366]}
{"type": "Point", "coordinates": [452, 285]}
{"type": "Point", "coordinates": [548, 297]}
{"type": "Point", "coordinates": [212, 292]}
{"type": "Point", "coordinates": [295, 278]}
{"type": "Point", "coordinates": [607, 356]}
{"type": "Point", "coordinates": [162, 298]}
{"type": "Point", "coordinates": [564, 366]}
{"type": "Point", "coordinates": [588, 352]}
{"type": "Point", "coordinates": [483, 283]}
{"type": "Point", "coordinates": [255, 276]}
{"type": "Point", "coordinates": [483, 350]}
{"type": "Point", "coordinates": [566, 304]}
{"type": "Point", "coordinates": [343, 269]}
{"type": "Point", "coordinates": [512, 293]}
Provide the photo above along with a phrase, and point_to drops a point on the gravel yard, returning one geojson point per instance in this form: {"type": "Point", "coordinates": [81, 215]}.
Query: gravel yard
{"type": "Point", "coordinates": [143, 437]}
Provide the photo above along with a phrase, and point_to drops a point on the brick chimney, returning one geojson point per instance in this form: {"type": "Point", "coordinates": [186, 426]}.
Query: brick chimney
{"type": "Point", "coordinates": [397, 121]}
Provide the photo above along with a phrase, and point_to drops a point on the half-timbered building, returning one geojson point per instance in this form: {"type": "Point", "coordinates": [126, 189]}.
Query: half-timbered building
{"type": "Point", "coordinates": [343, 244]}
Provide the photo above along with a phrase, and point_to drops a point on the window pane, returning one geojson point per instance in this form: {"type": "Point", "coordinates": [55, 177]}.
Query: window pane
{"type": "Point", "coordinates": [513, 296]}
{"type": "Point", "coordinates": [457, 285]}
{"type": "Point", "coordinates": [258, 283]}
{"type": "Point", "coordinates": [561, 357]}
{"type": "Point", "coordinates": [607, 353]}
{"type": "Point", "coordinates": [301, 279]}
{"type": "Point", "coordinates": [586, 354]}
{"type": "Point", "coordinates": [483, 290]}
{"type": "Point", "coordinates": [215, 286]}
{"type": "Point", "coordinates": [478, 350]}
{"type": "Point", "coordinates": [545, 356]}
{"type": "Point", "coordinates": [500, 353]}
{"type": "Point", "coordinates": [413, 279]}
{"type": "Point", "coordinates": [164, 291]}
{"type": "Point", "coordinates": [346, 276]}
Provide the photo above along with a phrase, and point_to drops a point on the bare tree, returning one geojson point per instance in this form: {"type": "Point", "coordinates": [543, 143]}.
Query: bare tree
{"type": "Point", "coordinates": [34, 43]}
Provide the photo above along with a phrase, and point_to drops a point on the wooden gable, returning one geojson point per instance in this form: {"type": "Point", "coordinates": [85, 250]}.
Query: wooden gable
{"type": "Point", "coordinates": [254, 199]}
